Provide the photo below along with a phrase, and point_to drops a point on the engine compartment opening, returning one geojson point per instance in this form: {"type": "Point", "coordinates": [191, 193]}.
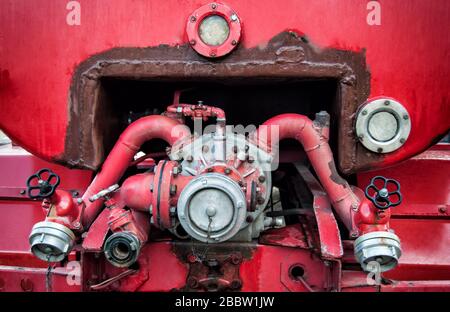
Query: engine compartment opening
{"type": "Point", "coordinates": [246, 102]}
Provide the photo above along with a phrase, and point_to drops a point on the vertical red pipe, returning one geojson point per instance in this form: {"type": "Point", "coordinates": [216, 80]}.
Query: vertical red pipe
{"type": "Point", "coordinates": [314, 138]}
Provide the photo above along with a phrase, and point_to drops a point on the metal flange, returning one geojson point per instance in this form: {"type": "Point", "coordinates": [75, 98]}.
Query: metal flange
{"type": "Point", "coordinates": [382, 125]}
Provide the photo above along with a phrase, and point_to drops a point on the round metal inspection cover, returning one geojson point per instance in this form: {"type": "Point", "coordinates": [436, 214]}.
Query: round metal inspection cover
{"type": "Point", "coordinates": [383, 125]}
{"type": "Point", "coordinates": [212, 208]}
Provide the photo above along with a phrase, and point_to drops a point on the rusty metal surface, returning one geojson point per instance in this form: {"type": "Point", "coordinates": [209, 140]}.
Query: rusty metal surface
{"type": "Point", "coordinates": [330, 239]}
{"type": "Point", "coordinates": [286, 56]}
{"type": "Point", "coordinates": [35, 110]}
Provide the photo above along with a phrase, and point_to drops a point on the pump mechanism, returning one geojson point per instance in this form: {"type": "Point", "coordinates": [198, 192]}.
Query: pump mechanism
{"type": "Point", "coordinates": [213, 187]}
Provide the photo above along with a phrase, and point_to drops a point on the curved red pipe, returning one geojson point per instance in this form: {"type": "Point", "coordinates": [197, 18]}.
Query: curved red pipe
{"type": "Point", "coordinates": [129, 143]}
{"type": "Point", "coordinates": [314, 138]}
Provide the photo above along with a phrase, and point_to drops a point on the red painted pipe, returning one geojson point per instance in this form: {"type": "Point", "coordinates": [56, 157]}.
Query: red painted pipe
{"type": "Point", "coordinates": [129, 143]}
{"type": "Point", "coordinates": [314, 138]}
{"type": "Point", "coordinates": [135, 191]}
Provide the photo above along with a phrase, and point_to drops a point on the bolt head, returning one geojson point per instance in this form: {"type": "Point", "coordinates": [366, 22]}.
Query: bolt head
{"type": "Point", "coordinates": [260, 200]}
{"type": "Point", "coordinates": [236, 259]}
{"type": "Point", "coordinates": [191, 258]}
{"type": "Point", "coordinates": [383, 193]}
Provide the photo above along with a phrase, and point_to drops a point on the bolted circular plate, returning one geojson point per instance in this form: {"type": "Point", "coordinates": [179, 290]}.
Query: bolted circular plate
{"type": "Point", "coordinates": [214, 30]}
{"type": "Point", "coordinates": [211, 204]}
{"type": "Point", "coordinates": [382, 125]}
{"type": "Point", "coordinates": [212, 208]}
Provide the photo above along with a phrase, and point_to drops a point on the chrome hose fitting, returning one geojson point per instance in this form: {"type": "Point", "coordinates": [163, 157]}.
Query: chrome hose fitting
{"type": "Point", "coordinates": [51, 241]}
{"type": "Point", "coordinates": [122, 249]}
{"type": "Point", "coordinates": [381, 247]}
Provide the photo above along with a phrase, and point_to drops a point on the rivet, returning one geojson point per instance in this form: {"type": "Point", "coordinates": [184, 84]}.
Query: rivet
{"type": "Point", "coordinates": [387, 102]}
{"type": "Point", "coordinates": [213, 6]}
{"type": "Point", "coordinates": [192, 258]}
{"type": "Point", "coordinates": [406, 117]}
{"type": "Point", "coordinates": [192, 42]}
{"type": "Point", "coordinates": [234, 42]}
{"type": "Point", "coordinates": [402, 140]}
{"type": "Point", "coordinates": [364, 112]}
{"type": "Point", "coordinates": [193, 18]}
{"type": "Point", "coordinates": [379, 150]}
{"type": "Point", "coordinates": [260, 200]}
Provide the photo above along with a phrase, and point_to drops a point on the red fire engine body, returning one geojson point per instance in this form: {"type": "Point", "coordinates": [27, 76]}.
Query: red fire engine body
{"type": "Point", "coordinates": [232, 146]}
